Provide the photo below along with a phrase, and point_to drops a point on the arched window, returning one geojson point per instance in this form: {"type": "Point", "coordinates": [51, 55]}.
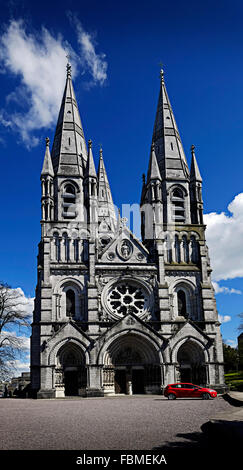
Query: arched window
{"type": "Point", "coordinates": [177, 249]}
{"type": "Point", "coordinates": [69, 202]}
{"type": "Point", "coordinates": [70, 303]}
{"type": "Point", "coordinates": [168, 249]}
{"type": "Point", "coordinates": [194, 249]}
{"type": "Point", "coordinates": [178, 205]}
{"type": "Point", "coordinates": [66, 246]}
{"type": "Point", "coordinates": [181, 301]}
{"type": "Point", "coordinates": [185, 249]}
{"type": "Point", "coordinates": [57, 246]}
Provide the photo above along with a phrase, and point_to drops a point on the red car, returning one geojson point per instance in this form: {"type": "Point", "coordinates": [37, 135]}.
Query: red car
{"type": "Point", "coordinates": [182, 390]}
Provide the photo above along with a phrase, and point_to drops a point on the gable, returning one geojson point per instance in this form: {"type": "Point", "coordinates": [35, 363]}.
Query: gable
{"type": "Point", "coordinates": [124, 248]}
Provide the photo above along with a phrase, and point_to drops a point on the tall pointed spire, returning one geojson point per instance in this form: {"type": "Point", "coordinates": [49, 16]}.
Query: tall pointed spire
{"type": "Point", "coordinates": [153, 170]}
{"type": "Point", "coordinates": [168, 147]}
{"type": "Point", "coordinates": [90, 170]}
{"type": "Point", "coordinates": [105, 202]}
{"type": "Point", "coordinates": [47, 168]}
{"type": "Point", "coordinates": [194, 173]}
{"type": "Point", "coordinates": [69, 152]}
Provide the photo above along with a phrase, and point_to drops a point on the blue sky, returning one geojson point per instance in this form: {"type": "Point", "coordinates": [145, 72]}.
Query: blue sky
{"type": "Point", "coordinates": [116, 49]}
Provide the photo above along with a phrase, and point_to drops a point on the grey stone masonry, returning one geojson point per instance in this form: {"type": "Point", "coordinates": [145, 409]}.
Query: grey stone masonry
{"type": "Point", "coordinates": [114, 314]}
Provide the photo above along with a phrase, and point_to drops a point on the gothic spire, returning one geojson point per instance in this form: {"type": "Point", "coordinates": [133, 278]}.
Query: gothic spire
{"type": "Point", "coordinates": [47, 168]}
{"type": "Point", "coordinates": [194, 173]}
{"type": "Point", "coordinates": [168, 147]}
{"type": "Point", "coordinates": [69, 152]}
{"type": "Point", "coordinates": [105, 202]}
{"type": "Point", "coordinates": [153, 170]}
{"type": "Point", "coordinates": [90, 171]}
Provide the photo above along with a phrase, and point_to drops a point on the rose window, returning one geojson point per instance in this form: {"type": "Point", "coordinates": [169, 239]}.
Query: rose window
{"type": "Point", "coordinates": [124, 298]}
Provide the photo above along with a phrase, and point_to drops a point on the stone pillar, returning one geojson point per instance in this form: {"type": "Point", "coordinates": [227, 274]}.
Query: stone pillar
{"type": "Point", "coordinates": [94, 388]}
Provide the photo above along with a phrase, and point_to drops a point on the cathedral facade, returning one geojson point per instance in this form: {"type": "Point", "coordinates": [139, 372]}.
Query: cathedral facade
{"type": "Point", "coordinates": [114, 314]}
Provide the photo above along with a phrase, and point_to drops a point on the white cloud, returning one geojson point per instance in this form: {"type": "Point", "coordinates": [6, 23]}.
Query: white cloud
{"type": "Point", "coordinates": [95, 63]}
{"type": "Point", "coordinates": [23, 341]}
{"type": "Point", "coordinates": [224, 318]}
{"type": "Point", "coordinates": [231, 342]}
{"type": "Point", "coordinates": [38, 60]}
{"type": "Point", "coordinates": [18, 366]}
{"type": "Point", "coordinates": [224, 237]}
{"type": "Point", "coordinates": [225, 290]}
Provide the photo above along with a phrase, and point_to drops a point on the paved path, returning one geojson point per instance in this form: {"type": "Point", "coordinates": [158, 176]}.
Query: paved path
{"type": "Point", "coordinates": [130, 423]}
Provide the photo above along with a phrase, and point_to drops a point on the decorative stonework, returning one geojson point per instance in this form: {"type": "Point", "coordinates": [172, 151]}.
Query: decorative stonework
{"type": "Point", "coordinates": [125, 249]}
{"type": "Point", "coordinates": [127, 295]}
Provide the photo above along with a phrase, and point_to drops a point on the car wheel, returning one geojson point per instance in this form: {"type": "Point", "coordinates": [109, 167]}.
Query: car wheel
{"type": "Point", "coordinates": [171, 396]}
{"type": "Point", "coordinates": [205, 396]}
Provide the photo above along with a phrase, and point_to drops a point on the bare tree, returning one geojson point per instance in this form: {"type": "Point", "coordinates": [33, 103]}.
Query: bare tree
{"type": "Point", "coordinates": [14, 316]}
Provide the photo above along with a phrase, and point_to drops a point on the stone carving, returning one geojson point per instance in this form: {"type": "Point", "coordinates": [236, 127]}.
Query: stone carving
{"type": "Point", "coordinates": [111, 256]}
{"type": "Point", "coordinates": [130, 321]}
{"type": "Point", "coordinates": [125, 249]}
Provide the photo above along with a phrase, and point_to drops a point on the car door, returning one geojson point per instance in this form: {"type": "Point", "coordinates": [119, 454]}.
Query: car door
{"type": "Point", "coordinates": [186, 390]}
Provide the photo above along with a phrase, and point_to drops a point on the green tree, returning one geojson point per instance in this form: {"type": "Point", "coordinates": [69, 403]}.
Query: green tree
{"type": "Point", "coordinates": [231, 358]}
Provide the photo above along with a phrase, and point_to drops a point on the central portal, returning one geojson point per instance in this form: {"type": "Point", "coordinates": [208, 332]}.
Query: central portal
{"type": "Point", "coordinates": [71, 382]}
{"type": "Point", "coordinates": [131, 366]}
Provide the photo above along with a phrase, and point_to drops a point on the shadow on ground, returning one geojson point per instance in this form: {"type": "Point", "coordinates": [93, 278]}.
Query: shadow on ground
{"type": "Point", "coordinates": [219, 442]}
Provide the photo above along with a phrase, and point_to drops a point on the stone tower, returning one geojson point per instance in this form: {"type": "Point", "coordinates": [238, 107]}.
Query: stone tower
{"type": "Point", "coordinates": [114, 314]}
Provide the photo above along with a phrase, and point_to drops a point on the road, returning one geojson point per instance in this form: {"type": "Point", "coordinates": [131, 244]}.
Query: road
{"type": "Point", "coordinates": [131, 423]}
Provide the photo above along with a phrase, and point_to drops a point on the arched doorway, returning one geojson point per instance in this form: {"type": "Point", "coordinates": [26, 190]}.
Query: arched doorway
{"type": "Point", "coordinates": [70, 372]}
{"type": "Point", "coordinates": [131, 367]}
{"type": "Point", "coordinates": [192, 367]}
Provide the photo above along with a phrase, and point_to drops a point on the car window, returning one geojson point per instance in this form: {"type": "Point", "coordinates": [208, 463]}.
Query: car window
{"type": "Point", "coordinates": [188, 386]}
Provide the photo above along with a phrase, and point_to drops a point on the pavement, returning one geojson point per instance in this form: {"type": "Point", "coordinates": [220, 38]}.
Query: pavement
{"type": "Point", "coordinates": [131, 423]}
{"type": "Point", "coordinates": [227, 425]}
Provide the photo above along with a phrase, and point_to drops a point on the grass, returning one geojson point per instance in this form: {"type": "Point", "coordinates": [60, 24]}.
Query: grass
{"type": "Point", "coordinates": [234, 380]}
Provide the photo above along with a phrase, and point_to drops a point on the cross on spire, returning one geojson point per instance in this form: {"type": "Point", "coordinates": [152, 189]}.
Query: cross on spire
{"type": "Point", "coordinates": [68, 66]}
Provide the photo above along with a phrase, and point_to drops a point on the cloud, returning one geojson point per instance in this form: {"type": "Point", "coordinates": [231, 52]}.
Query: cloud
{"type": "Point", "coordinates": [231, 342]}
{"type": "Point", "coordinates": [18, 366]}
{"type": "Point", "coordinates": [224, 318]}
{"type": "Point", "coordinates": [23, 341]}
{"type": "Point", "coordinates": [224, 237]}
{"type": "Point", "coordinates": [224, 290]}
{"type": "Point", "coordinates": [38, 60]}
{"type": "Point", "coordinates": [95, 63]}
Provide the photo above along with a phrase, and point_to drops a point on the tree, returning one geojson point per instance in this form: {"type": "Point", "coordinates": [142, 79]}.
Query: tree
{"type": "Point", "coordinates": [230, 358]}
{"type": "Point", "coordinates": [240, 327]}
{"type": "Point", "coordinates": [14, 317]}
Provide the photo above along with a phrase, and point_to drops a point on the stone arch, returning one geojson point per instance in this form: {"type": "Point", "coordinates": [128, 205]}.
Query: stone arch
{"type": "Point", "coordinates": [191, 359]}
{"type": "Point", "coordinates": [60, 299]}
{"type": "Point", "coordinates": [131, 364]}
{"type": "Point", "coordinates": [70, 374]}
{"type": "Point", "coordinates": [190, 293]}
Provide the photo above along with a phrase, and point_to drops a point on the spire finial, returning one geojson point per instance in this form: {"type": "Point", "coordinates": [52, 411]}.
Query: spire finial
{"type": "Point", "coordinates": [101, 151]}
{"type": "Point", "coordinates": [47, 141]}
{"type": "Point", "coordinates": [192, 149]}
{"type": "Point", "coordinates": [90, 144]}
{"type": "Point", "coordinates": [68, 66]}
{"type": "Point", "coordinates": [161, 72]}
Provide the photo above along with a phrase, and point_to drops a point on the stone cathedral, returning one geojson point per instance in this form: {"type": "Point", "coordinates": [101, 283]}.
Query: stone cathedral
{"type": "Point", "coordinates": [114, 314]}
